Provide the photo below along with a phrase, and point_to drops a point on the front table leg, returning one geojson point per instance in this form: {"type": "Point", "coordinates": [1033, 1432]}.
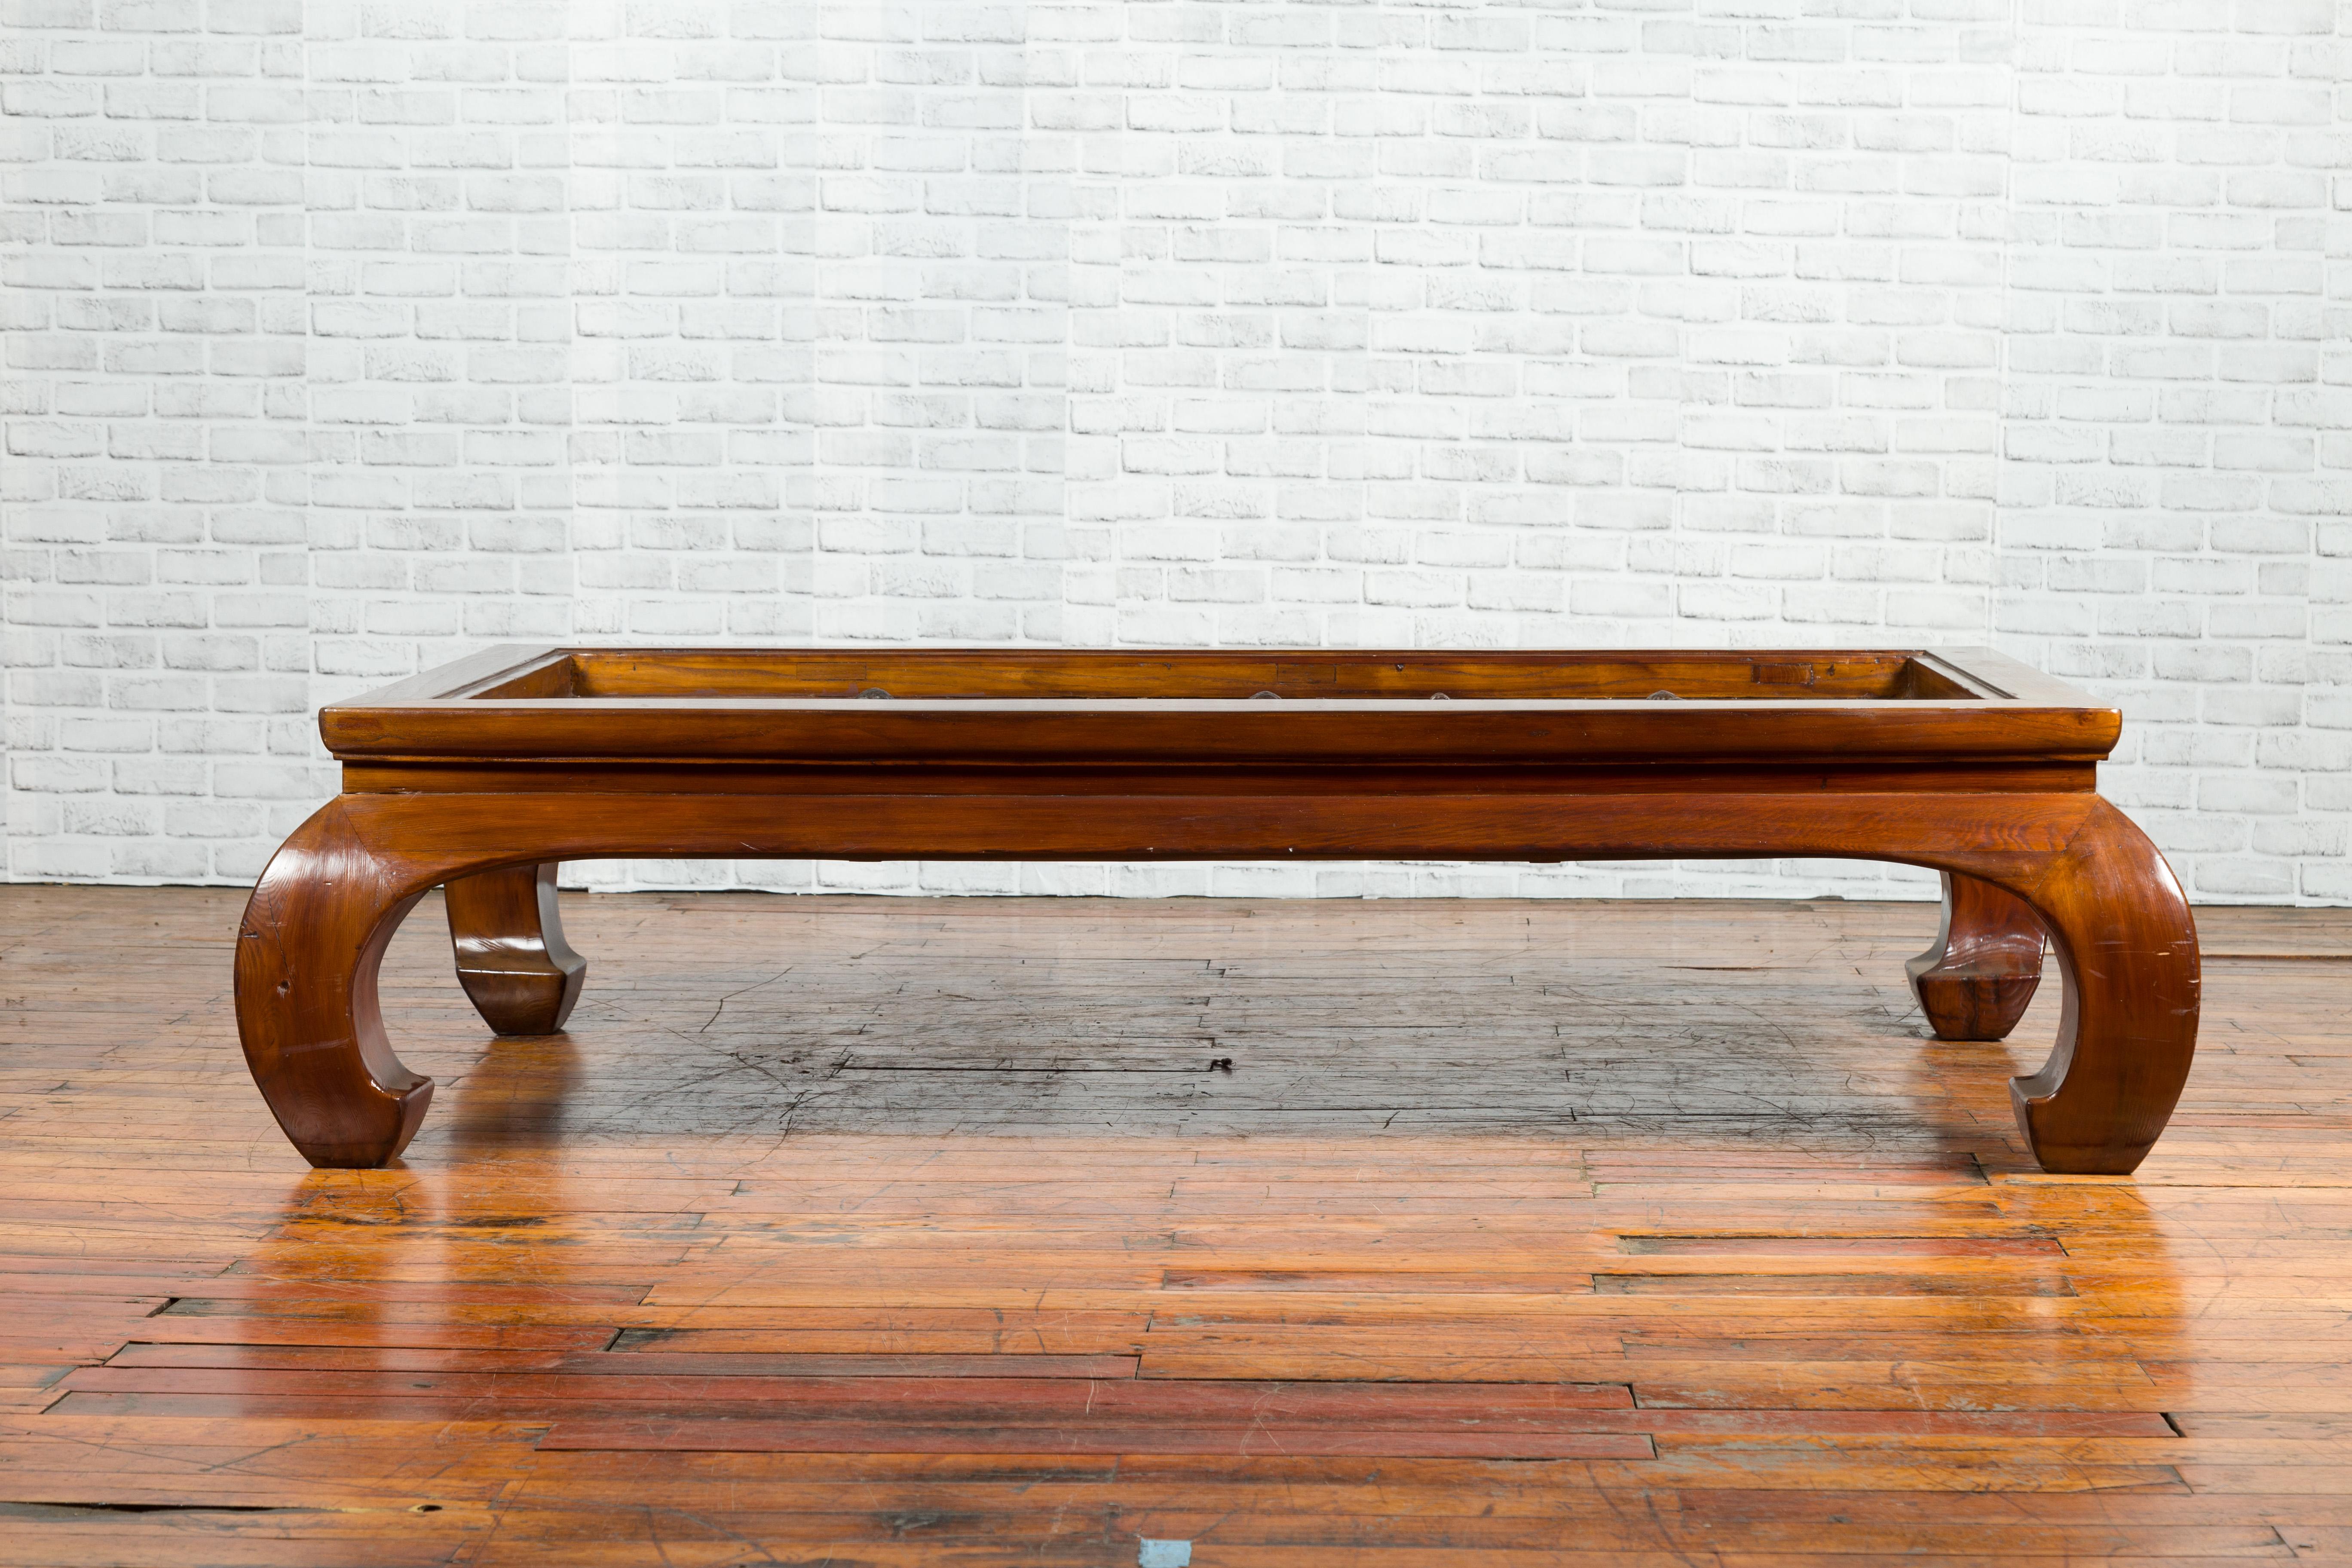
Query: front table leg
{"type": "Point", "coordinates": [512, 959]}
{"type": "Point", "coordinates": [307, 952]}
{"type": "Point", "coordinates": [1976, 979]}
{"type": "Point", "coordinates": [2126, 947]}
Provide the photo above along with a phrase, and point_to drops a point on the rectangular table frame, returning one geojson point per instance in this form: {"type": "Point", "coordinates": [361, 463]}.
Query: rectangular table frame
{"type": "Point", "coordinates": [484, 774]}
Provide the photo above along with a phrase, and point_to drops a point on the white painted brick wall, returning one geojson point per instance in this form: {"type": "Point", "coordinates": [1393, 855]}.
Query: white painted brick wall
{"type": "Point", "coordinates": [344, 338]}
{"type": "Point", "coordinates": [2176, 517]}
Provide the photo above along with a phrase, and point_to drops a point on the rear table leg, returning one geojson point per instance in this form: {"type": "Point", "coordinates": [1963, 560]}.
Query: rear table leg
{"type": "Point", "coordinates": [512, 959]}
{"type": "Point", "coordinates": [1976, 979]}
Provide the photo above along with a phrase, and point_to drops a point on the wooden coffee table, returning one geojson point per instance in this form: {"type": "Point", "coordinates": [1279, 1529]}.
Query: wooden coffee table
{"type": "Point", "coordinates": [483, 775]}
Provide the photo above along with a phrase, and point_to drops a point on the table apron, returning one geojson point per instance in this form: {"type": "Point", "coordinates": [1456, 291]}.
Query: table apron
{"type": "Point", "coordinates": [474, 831]}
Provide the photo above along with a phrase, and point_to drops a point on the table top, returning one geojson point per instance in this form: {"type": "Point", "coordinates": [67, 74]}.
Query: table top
{"type": "Point", "coordinates": [1190, 708]}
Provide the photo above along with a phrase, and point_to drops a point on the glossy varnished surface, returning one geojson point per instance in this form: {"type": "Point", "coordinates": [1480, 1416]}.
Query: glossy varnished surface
{"type": "Point", "coordinates": [1977, 978]}
{"type": "Point", "coordinates": [1085, 711]}
{"type": "Point", "coordinates": [1962, 761]}
{"type": "Point", "coordinates": [512, 959]}
{"type": "Point", "coordinates": [333, 894]}
{"type": "Point", "coordinates": [806, 1237]}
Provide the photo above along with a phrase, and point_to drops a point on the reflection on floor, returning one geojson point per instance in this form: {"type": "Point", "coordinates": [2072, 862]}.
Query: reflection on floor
{"type": "Point", "coordinates": [879, 1231]}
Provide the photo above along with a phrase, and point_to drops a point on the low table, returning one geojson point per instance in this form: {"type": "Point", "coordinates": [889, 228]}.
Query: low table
{"type": "Point", "coordinates": [484, 774]}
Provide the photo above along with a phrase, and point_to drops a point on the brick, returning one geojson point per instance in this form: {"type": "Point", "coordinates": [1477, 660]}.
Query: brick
{"type": "Point", "coordinates": [1449, 326]}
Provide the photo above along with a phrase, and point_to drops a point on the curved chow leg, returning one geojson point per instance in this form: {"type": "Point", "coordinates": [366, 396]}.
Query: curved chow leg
{"type": "Point", "coordinates": [512, 959]}
{"type": "Point", "coordinates": [307, 952]}
{"type": "Point", "coordinates": [2127, 949]}
{"type": "Point", "coordinates": [1975, 980]}
{"type": "Point", "coordinates": [327, 905]}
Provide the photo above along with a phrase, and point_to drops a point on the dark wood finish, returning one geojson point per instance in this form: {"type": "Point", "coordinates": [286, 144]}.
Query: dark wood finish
{"type": "Point", "coordinates": [1789, 1253]}
{"type": "Point", "coordinates": [306, 1014]}
{"type": "Point", "coordinates": [1976, 979]}
{"type": "Point", "coordinates": [1962, 762]}
{"type": "Point", "coordinates": [512, 957]}
{"type": "Point", "coordinates": [1195, 711]}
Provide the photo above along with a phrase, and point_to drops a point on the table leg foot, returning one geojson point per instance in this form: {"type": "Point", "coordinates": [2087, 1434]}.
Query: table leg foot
{"type": "Point", "coordinates": [307, 952]}
{"type": "Point", "coordinates": [2126, 950]}
{"type": "Point", "coordinates": [512, 959]}
{"type": "Point", "coordinates": [1974, 982]}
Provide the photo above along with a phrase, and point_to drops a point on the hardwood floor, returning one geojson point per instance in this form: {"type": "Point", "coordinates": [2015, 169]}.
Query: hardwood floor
{"type": "Point", "coordinates": [874, 1231]}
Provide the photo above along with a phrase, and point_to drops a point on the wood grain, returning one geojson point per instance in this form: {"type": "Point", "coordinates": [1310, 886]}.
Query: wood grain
{"type": "Point", "coordinates": [1618, 1233]}
{"type": "Point", "coordinates": [484, 775]}
{"type": "Point", "coordinates": [316, 927]}
{"type": "Point", "coordinates": [512, 959]}
{"type": "Point", "coordinates": [1976, 978]}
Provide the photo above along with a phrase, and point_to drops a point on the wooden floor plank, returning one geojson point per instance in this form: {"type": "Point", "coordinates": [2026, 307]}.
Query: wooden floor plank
{"type": "Point", "coordinates": [1553, 1232]}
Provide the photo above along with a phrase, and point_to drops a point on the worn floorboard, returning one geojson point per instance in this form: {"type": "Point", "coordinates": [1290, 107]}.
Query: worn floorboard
{"type": "Point", "coordinates": [881, 1231]}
